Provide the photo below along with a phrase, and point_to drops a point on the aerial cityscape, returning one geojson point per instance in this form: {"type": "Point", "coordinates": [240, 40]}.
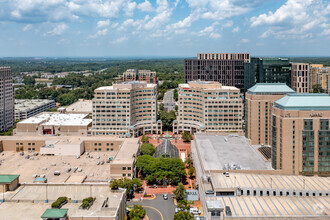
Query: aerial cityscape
{"type": "Point", "coordinates": [164, 109]}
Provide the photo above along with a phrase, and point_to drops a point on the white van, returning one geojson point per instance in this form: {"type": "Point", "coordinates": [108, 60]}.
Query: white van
{"type": "Point", "coordinates": [194, 211]}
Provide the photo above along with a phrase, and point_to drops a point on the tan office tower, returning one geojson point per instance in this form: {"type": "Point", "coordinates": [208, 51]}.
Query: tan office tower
{"type": "Point", "coordinates": [313, 70]}
{"type": "Point", "coordinates": [140, 75]}
{"type": "Point", "coordinates": [208, 107]}
{"type": "Point", "coordinates": [129, 108]}
{"type": "Point", "coordinates": [258, 110]}
{"type": "Point", "coordinates": [301, 134]}
{"type": "Point", "coordinates": [7, 106]}
{"type": "Point", "coordinates": [300, 77]}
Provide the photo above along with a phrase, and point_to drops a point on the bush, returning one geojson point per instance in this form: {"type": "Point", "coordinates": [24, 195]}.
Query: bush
{"type": "Point", "coordinates": [186, 136]}
{"type": "Point", "coordinates": [85, 204]}
{"type": "Point", "coordinates": [179, 192]}
{"type": "Point", "coordinates": [191, 172]}
{"type": "Point", "coordinates": [147, 149]}
{"type": "Point", "coordinates": [137, 212]}
{"type": "Point", "coordinates": [89, 199]}
{"type": "Point", "coordinates": [114, 184]}
{"type": "Point", "coordinates": [59, 202]}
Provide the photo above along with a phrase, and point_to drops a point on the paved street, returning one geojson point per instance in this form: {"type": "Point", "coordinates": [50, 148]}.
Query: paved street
{"type": "Point", "coordinates": [169, 103]}
{"type": "Point", "coordinates": [158, 208]}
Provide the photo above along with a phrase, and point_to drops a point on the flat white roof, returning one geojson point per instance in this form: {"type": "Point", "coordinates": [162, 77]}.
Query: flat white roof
{"type": "Point", "coordinates": [27, 104]}
{"type": "Point", "coordinates": [58, 119]}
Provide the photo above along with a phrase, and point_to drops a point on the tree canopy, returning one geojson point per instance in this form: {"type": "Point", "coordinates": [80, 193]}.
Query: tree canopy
{"type": "Point", "coordinates": [186, 136]}
{"type": "Point", "coordinates": [161, 170]}
{"type": "Point", "coordinates": [179, 192]}
{"type": "Point", "coordinates": [147, 149]}
{"type": "Point", "coordinates": [137, 212]}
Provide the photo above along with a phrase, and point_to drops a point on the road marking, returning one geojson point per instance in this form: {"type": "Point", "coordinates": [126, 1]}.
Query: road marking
{"type": "Point", "coordinates": [155, 210]}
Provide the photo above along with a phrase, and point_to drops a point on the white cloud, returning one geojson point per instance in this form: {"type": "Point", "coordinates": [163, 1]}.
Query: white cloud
{"type": "Point", "coordinates": [103, 24]}
{"type": "Point", "coordinates": [57, 30]}
{"type": "Point", "coordinates": [27, 27]}
{"type": "Point", "coordinates": [145, 6]}
{"type": "Point", "coordinates": [228, 24]}
{"type": "Point", "coordinates": [294, 19]}
{"type": "Point", "coordinates": [102, 32]}
{"type": "Point", "coordinates": [244, 40]}
{"type": "Point", "coordinates": [210, 31]}
{"type": "Point", "coordinates": [120, 40]}
{"type": "Point", "coordinates": [236, 29]}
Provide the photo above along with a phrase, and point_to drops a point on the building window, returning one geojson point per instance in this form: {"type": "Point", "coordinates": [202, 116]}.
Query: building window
{"type": "Point", "coordinates": [124, 168]}
{"type": "Point", "coordinates": [129, 168]}
{"type": "Point", "coordinates": [95, 149]}
{"type": "Point", "coordinates": [129, 175]}
{"type": "Point", "coordinates": [124, 174]}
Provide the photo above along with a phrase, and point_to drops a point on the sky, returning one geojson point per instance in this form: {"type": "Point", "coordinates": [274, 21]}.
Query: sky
{"type": "Point", "coordinates": [163, 28]}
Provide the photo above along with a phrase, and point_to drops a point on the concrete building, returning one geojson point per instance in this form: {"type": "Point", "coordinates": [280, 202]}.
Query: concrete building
{"type": "Point", "coordinates": [235, 181]}
{"type": "Point", "coordinates": [225, 68]}
{"type": "Point", "coordinates": [128, 109]}
{"type": "Point", "coordinates": [54, 123]}
{"type": "Point", "coordinates": [267, 70]}
{"type": "Point", "coordinates": [140, 75]}
{"type": "Point", "coordinates": [259, 101]}
{"type": "Point", "coordinates": [82, 106]}
{"type": "Point", "coordinates": [208, 107]}
{"type": "Point", "coordinates": [119, 155]}
{"type": "Point", "coordinates": [320, 76]}
{"type": "Point", "coordinates": [300, 134]}
{"type": "Point", "coordinates": [313, 70]}
{"type": "Point", "coordinates": [300, 77]}
{"type": "Point", "coordinates": [30, 199]}
{"type": "Point", "coordinates": [6, 99]}
{"type": "Point", "coordinates": [25, 108]}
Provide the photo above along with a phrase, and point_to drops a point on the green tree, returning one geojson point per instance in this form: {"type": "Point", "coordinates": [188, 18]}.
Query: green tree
{"type": "Point", "coordinates": [175, 95]}
{"type": "Point", "coordinates": [179, 192]}
{"type": "Point", "coordinates": [183, 216]}
{"type": "Point", "coordinates": [161, 107]}
{"type": "Point", "coordinates": [186, 136]}
{"type": "Point", "coordinates": [28, 80]}
{"type": "Point", "coordinates": [167, 119]}
{"type": "Point", "coordinates": [317, 88]}
{"type": "Point", "coordinates": [191, 172]}
{"type": "Point", "coordinates": [145, 139]}
{"type": "Point", "coordinates": [114, 185]}
{"type": "Point", "coordinates": [137, 212]}
{"type": "Point", "coordinates": [147, 149]}
{"type": "Point", "coordinates": [176, 108]}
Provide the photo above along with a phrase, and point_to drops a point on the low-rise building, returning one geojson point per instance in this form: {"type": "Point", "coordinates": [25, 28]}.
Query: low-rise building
{"type": "Point", "coordinates": [25, 108]}
{"type": "Point", "coordinates": [129, 108]}
{"type": "Point", "coordinates": [54, 123]}
{"type": "Point", "coordinates": [208, 107]}
{"type": "Point", "coordinates": [82, 106]}
{"type": "Point", "coordinates": [8, 182]}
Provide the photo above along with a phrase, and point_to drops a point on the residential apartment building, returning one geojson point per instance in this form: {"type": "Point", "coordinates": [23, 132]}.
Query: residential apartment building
{"type": "Point", "coordinates": [225, 68]}
{"type": "Point", "coordinates": [208, 107]}
{"type": "Point", "coordinates": [25, 108]}
{"type": "Point", "coordinates": [301, 134]}
{"type": "Point", "coordinates": [140, 75]}
{"type": "Point", "coordinates": [259, 101]}
{"type": "Point", "coordinates": [267, 70]}
{"type": "Point", "coordinates": [129, 108]}
{"type": "Point", "coordinates": [6, 99]}
{"type": "Point", "coordinates": [313, 70]}
{"type": "Point", "coordinates": [300, 77]}
{"type": "Point", "coordinates": [320, 75]}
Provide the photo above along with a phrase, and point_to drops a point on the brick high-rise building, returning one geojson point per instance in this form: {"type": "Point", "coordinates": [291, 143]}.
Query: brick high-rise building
{"type": "Point", "coordinates": [129, 108]}
{"type": "Point", "coordinates": [259, 101]}
{"type": "Point", "coordinates": [301, 134]}
{"type": "Point", "coordinates": [208, 107]}
{"type": "Point", "coordinates": [7, 106]}
{"type": "Point", "coordinates": [300, 77]}
{"type": "Point", "coordinates": [140, 75]}
{"type": "Point", "coordinates": [225, 68]}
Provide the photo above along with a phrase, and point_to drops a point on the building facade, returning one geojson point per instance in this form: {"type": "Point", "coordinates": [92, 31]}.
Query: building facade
{"type": "Point", "coordinates": [25, 108]}
{"type": "Point", "coordinates": [6, 99]}
{"type": "Point", "coordinates": [225, 68]}
{"type": "Point", "coordinates": [313, 70]}
{"type": "Point", "coordinates": [301, 134]}
{"type": "Point", "coordinates": [320, 76]}
{"type": "Point", "coordinates": [128, 109]}
{"type": "Point", "coordinates": [300, 77]}
{"type": "Point", "coordinates": [208, 107]}
{"type": "Point", "coordinates": [140, 75]}
{"type": "Point", "coordinates": [267, 70]}
{"type": "Point", "coordinates": [259, 101]}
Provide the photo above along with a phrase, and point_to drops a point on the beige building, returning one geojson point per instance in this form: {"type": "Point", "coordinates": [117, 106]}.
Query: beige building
{"type": "Point", "coordinates": [8, 182]}
{"type": "Point", "coordinates": [54, 123]}
{"type": "Point", "coordinates": [127, 109]}
{"type": "Point", "coordinates": [122, 151]}
{"type": "Point", "coordinates": [300, 77]}
{"type": "Point", "coordinates": [82, 106]}
{"type": "Point", "coordinates": [301, 134]}
{"type": "Point", "coordinates": [259, 101]}
{"type": "Point", "coordinates": [140, 75]}
{"type": "Point", "coordinates": [6, 99]}
{"type": "Point", "coordinates": [208, 107]}
{"type": "Point", "coordinates": [25, 108]}
{"type": "Point", "coordinates": [313, 70]}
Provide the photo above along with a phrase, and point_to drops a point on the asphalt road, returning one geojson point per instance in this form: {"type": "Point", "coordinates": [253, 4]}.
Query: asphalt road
{"type": "Point", "coordinates": [169, 103]}
{"type": "Point", "coordinates": [158, 208]}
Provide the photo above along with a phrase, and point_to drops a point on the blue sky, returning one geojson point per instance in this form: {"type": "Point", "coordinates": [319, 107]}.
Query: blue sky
{"type": "Point", "coordinates": [164, 27]}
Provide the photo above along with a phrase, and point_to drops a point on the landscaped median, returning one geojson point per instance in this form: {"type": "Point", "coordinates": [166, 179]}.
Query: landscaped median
{"type": "Point", "coordinates": [61, 201]}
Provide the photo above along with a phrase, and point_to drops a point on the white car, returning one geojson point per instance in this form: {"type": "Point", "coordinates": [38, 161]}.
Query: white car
{"type": "Point", "coordinates": [194, 211]}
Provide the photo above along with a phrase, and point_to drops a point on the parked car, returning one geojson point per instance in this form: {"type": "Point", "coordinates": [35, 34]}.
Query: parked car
{"type": "Point", "coordinates": [209, 191]}
{"type": "Point", "coordinates": [228, 211]}
{"type": "Point", "coordinates": [194, 211]}
{"type": "Point", "coordinates": [165, 196]}
{"type": "Point", "coordinates": [179, 210]}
